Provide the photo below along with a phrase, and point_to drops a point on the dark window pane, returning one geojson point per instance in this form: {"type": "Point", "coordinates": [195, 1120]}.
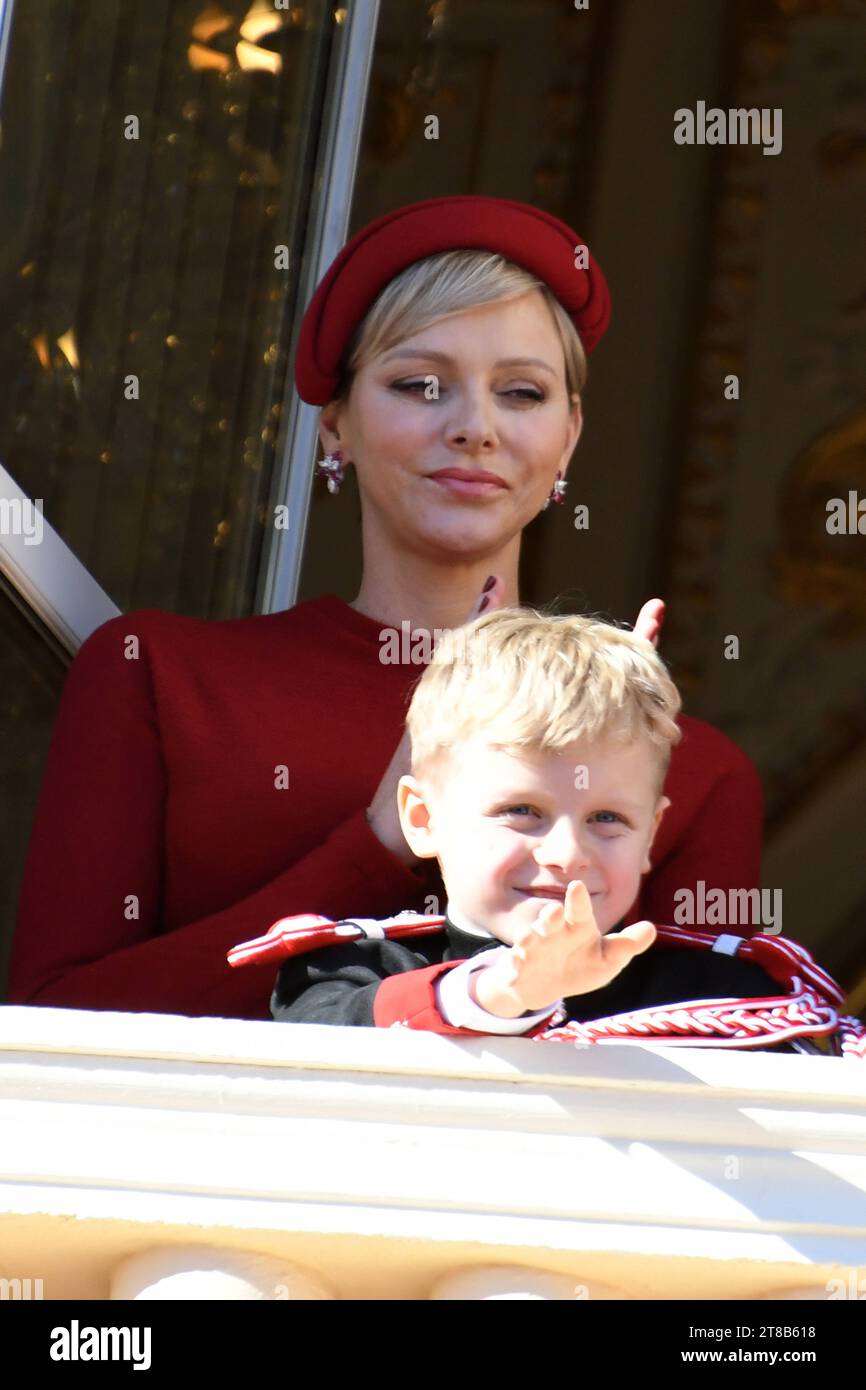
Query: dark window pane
{"type": "Point", "coordinates": [155, 154]}
{"type": "Point", "coordinates": [32, 673]}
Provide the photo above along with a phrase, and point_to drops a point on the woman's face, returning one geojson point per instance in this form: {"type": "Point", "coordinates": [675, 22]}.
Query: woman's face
{"type": "Point", "coordinates": [447, 398]}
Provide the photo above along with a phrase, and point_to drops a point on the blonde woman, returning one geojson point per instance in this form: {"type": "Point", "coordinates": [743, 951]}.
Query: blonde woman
{"type": "Point", "coordinates": [236, 772]}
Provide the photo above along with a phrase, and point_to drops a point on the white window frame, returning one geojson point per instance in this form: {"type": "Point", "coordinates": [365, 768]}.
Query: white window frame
{"type": "Point", "coordinates": [51, 579]}
{"type": "Point", "coordinates": [283, 553]}
{"type": "Point", "coordinates": [6, 8]}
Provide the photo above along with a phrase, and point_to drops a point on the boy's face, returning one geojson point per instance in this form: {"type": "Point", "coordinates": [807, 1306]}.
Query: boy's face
{"type": "Point", "coordinates": [507, 826]}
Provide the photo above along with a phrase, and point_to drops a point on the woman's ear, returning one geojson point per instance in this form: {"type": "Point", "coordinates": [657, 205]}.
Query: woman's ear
{"type": "Point", "coordinates": [413, 808]}
{"type": "Point", "coordinates": [575, 428]}
{"type": "Point", "coordinates": [329, 427]}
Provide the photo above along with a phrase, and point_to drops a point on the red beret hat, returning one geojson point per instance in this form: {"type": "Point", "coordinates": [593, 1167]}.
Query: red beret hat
{"type": "Point", "coordinates": [526, 235]}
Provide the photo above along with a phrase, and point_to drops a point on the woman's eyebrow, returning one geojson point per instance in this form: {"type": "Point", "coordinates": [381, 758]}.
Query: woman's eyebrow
{"type": "Point", "coordinates": [444, 357]}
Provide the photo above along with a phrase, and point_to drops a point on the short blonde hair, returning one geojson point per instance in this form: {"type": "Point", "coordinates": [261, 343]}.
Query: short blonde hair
{"type": "Point", "coordinates": [527, 679]}
{"type": "Point", "coordinates": [448, 283]}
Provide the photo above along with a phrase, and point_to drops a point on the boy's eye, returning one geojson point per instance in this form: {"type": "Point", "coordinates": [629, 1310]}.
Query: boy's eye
{"type": "Point", "coordinates": [524, 808]}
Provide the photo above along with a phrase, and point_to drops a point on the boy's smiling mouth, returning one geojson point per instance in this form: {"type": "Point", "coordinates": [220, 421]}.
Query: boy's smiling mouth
{"type": "Point", "coordinates": [556, 894]}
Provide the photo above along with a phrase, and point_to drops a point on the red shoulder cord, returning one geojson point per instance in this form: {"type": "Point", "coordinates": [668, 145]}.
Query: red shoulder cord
{"type": "Point", "coordinates": [808, 1007]}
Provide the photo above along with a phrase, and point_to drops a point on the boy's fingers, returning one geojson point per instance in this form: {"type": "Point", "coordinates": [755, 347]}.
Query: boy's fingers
{"type": "Point", "coordinates": [549, 920]}
{"type": "Point", "coordinates": [639, 936]}
{"type": "Point", "coordinates": [578, 905]}
{"type": "Point", "coordinates": [554, 917]}
{"type": "Point", "coordinates": [576, 895]}
{"type": "Point", "coordinates": [531, 930]}
{"type": "Point", "coordinates": [521, 936]}
{"type": "Point", "coordinates": [532, 936]}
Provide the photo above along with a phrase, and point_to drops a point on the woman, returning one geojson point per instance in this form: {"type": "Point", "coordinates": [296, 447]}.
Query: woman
{"type": "Point", "coordinates": [208, 778]}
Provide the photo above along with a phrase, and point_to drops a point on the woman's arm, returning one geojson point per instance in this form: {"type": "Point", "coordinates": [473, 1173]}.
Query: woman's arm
{"type": "Point", "coordinates": [90, 920]}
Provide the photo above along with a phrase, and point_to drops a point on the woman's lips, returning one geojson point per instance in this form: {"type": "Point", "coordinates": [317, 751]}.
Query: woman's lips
{"type": "Point", "coordinates": [468, 484]}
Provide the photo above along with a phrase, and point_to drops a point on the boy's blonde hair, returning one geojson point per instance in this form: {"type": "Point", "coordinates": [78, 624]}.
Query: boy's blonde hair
{"type": "Point", "coordinates": [447, 283]}
{"type": "Point", "coordinates": [526, 679]}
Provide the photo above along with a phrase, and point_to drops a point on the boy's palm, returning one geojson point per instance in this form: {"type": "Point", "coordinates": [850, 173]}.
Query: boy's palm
{"type": "Point", "coordinates": [563, 953]}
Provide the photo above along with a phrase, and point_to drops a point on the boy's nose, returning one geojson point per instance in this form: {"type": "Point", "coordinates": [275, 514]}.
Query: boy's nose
{"type": "Point", "coordinates": [563, 848]}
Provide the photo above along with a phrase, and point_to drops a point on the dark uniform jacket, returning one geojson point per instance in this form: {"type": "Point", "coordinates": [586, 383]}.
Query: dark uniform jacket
{"type": "Point", "coordinates": [379, 983]}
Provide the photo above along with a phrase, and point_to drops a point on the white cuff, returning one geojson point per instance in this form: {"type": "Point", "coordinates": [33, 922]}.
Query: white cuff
{"type": "Point", "coordinates": [458, 1008]}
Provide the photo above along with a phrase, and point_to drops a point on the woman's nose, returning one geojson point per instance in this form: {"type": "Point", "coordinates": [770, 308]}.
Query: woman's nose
{"type": "Point", "coordinates": [472, 423]}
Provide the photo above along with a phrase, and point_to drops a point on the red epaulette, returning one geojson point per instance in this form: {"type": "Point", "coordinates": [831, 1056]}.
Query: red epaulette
{"type": "Point", "coordinates": [292, 936]}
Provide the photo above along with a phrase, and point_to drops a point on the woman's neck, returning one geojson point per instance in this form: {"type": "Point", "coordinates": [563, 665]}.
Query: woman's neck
{"type": "Point", "coordinates": [430, 594]}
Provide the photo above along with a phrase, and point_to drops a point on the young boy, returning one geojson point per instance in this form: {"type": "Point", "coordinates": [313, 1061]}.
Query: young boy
{"type": "Point", "coordinates": [539, 751]}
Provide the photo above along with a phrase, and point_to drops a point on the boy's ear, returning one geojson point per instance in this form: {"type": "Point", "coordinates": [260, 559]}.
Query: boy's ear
{"type": "Point", "coordinates": [663, 804]}
{"type": "Point", "coordinates": [414, 812]}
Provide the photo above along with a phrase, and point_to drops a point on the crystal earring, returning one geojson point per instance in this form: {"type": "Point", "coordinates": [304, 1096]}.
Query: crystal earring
{"type": "Point", "coordinates": [557, 492]}
{"type": "Point", "coordinates": [332, 468]}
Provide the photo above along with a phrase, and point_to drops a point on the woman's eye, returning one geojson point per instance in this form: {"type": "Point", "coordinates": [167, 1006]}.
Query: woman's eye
{"type": "Point", "coordinates": [522, 392]}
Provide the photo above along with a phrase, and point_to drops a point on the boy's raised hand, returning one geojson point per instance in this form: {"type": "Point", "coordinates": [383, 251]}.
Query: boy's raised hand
{"type": "Point", "coordinates": [561, 954]}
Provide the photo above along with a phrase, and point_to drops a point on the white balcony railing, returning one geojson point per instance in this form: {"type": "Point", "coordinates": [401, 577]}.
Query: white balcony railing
{"type": "Point", "coordinates": [147, 1155]}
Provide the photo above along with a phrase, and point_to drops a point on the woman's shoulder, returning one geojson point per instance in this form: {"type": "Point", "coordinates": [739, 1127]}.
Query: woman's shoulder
{"type": "Point", "coordinates": [148, 631]}
{"type": "Point", "coordinates": [121, 636]}
{"type": "Point", "coordinates": [709, 774]}
{"type": "Point", "coordinates": [707, 752]}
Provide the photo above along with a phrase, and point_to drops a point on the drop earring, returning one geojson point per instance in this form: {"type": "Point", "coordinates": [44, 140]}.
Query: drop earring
{"type": "Point", "coordinates": [557, 492]}
{"type": "Point", "coordinates": [332, 468]}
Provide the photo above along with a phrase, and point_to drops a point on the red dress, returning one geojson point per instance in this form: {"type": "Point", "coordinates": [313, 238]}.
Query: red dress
{"type": "Point", "coordinates": [213, 777]}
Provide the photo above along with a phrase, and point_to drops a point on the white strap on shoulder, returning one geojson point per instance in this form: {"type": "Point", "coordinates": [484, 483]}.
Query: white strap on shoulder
{"type": "Point", "coordinates": [727, 945]}
{"type": "Point", "coordinates": [372, 930]}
